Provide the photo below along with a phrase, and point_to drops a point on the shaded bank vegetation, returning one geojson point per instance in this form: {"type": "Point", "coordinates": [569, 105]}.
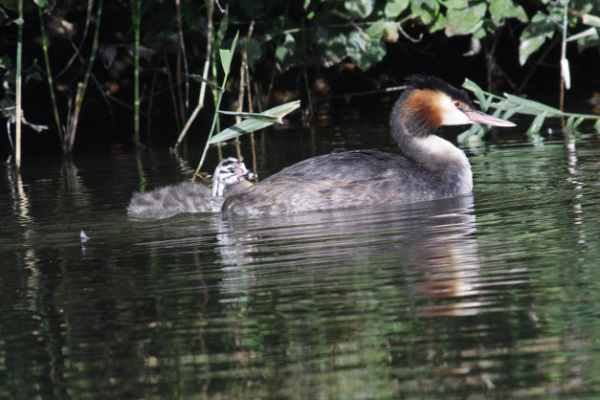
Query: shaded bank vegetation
{"type": "Point", "coordinates": [101, 74]}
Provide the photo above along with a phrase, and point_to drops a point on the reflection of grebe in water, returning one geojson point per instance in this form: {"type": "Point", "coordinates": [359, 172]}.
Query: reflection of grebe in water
{"type": "Point", "coordinates": [429, 168]}
{"type": "Point", "coordinates": [187, 197]}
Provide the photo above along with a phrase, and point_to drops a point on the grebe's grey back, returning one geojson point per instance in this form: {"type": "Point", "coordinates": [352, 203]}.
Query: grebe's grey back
{"type": "Point", "coordinates": [188, 197]}
{"type": "Point", "coordinates": [429, 168]}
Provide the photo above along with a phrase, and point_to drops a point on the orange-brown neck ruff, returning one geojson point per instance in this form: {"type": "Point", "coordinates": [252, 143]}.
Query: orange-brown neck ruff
{"type": "Point", "coordinates": [421, 113]}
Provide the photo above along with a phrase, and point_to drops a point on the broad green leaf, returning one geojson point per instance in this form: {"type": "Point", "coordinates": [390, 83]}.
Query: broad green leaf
{"type": "Point", "coordinates": [375, 31]}
{"type": "Point", "coordinates": [363, 51]}
{"type": "Point", "coordinates": [426, 10]}
{"type": "Point", "coordinates": [439, 23]}
{"type": "Point", "coordinates": [390, 31]}
{"type": "Point", "coordinates": [331, 46]}
{"type": "Point", "coordinates": [393, 8]}
{"type": "Point", "coordinates": [360, 8]}
{"type": "Point", "coordinates": [597, 125]}
{"type": "Point", "coordinates": [285, 54]}
{"type": "Point", "coordinates": [465, 21]}
{"type": "Point", "coordinates": [500, 9]}
{"type": "Point", "coordinates": [253, 124]}
{"type": "Point", "coordinates": [534, 36]}
{"type": "Point", "coordinates": [456, 4]}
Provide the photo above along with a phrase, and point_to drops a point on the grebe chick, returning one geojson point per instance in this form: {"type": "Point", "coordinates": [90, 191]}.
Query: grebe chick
{"type": "Point", "coordinates": [188, 197]}
{"type": "Point", "coordinates": [429, 167]}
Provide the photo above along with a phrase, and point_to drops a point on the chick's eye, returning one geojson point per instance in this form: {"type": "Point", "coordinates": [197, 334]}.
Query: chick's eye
{"type": "Point", "coordinates": [457, 104]}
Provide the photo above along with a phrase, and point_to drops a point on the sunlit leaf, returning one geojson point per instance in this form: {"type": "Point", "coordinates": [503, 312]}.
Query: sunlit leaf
{"type": "Point", "coordinates": [438, 23]}
{"type": "Point", "coordinates": [390, 32]}
{"type": "Point", "coordinates": [591, 20]}
{"type": "Point", "coordinates": [360, 8]}
{"type": "Point", "coordinates": [478, 92]}
{"type": "Point", "coordinates": [533, 105]}
{"type": "Point", "coordinates": [393, 8]}
{"type": "Point", "coordinates": [534, 36]}
{"type": "Point", "coordinates": [253, 123]}
{"type": "Point", "coordinates": [425, 10]}
{"type": "Point", "coordinates": [465, 21]}
{"type": "Point", "coordinates": [262, 117]}
{"type": "Point", "coordinates": [363, 51]}
{"type": "Point", "coordinates": [537, 123]}
{"type": "Point", "coordinates": [500, 9]}
{"type": "Point", "coordinates": [227, 55]}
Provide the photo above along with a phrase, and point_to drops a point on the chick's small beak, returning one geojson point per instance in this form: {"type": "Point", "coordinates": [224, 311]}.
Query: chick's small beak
{"type": "Point", "coordinates": [483, 118]}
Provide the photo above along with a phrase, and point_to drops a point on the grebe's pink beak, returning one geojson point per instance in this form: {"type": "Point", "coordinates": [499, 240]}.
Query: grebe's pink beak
{"type": "Point", "coordinates": [483, 118]}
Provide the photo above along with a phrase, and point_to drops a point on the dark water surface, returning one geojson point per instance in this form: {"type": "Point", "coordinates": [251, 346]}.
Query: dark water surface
{"type": "Point", "coordinates": [491, 295]}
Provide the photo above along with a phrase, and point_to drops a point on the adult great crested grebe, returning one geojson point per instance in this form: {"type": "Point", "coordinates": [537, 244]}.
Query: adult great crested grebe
{"type": "Point", "coordinates": [230, 175]}
{"type": "Point", "coordinates": [430, 167]}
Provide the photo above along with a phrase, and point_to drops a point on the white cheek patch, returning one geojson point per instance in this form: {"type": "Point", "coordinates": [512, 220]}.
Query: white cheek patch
{"type": "Point", "coordinates": [451, 115]}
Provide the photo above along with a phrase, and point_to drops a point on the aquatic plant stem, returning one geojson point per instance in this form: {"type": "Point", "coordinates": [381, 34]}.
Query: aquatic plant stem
{"type": "Point", "coordinates": [226, 56]}
{"type": "Point", "coordinates": [136, 15]}
{"type": "Point", "coordinates": [565, 74]}
{"type": "Point", "coordinates": [18, 100]}
{"type": "Point", "coordinates": [183, 56]}
{"type": "Point", "coordinates": [243, 71]}
{"type": "Point", "coordinates": [50, 79]}
{"type": "Point", "coordinates": [200, 106]}
{"type": "Point", "coordinates": [74, 117]}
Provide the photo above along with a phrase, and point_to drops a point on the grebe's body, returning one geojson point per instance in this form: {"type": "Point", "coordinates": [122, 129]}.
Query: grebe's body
{"type": "Point", "coordinates": [429, 167]}
{"type": "Point", "coordinates": [188, 197]}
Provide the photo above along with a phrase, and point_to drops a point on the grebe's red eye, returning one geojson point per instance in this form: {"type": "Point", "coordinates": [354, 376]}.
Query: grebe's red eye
{"type": "Point", "coordinates": [457, 104]}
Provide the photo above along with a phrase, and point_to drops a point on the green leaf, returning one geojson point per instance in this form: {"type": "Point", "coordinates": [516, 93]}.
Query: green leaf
{"type": "Point", "coordinates": [200, 79]}
{"type": "Point", "coordinates": [331, 46]}
{"type": "Point", "coordinates": [375, 31]}
{"type": "Point", "coordinates": [534, 36]}
{"type": "Point", "coordinates": [597, 125]}
{"type": "Point", "coordinates": [360, 8]}
{"type": "Point", "coordinates": [466, 20]}
{"type": "Point", "coordinates": [390, 31]}
{"type": "Point", "coordinates": [534, 106]}
{"type": "Point", "coordinates": [537, 123]}
{"type": "Point", "coordinates": [439, 23]}
{"type": "Point", "coordinates": [591, 20]}
{"type": "Point", "coordinates": [363, 51]}
{"type": "Point", "coordinates": [255, 123]}
{"type": "Point", "coordinates": [227, 55]}
{"type": "Point", "coordinates": [393, 8]}
{"type": "Point", "coordinates": [262, 117]}
{"type": "Point", "coordinates": [285, 53]}
{"type": "Point", "coordinates": [573, 123]}
{"type": "Point", "coordinates": [500, 9]}
{"type": "Point", "coordinates": [425, 10]}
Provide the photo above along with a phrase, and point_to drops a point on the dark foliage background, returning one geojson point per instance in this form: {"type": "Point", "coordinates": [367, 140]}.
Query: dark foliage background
{"type": "Point", "coordinates": [307, 49]}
